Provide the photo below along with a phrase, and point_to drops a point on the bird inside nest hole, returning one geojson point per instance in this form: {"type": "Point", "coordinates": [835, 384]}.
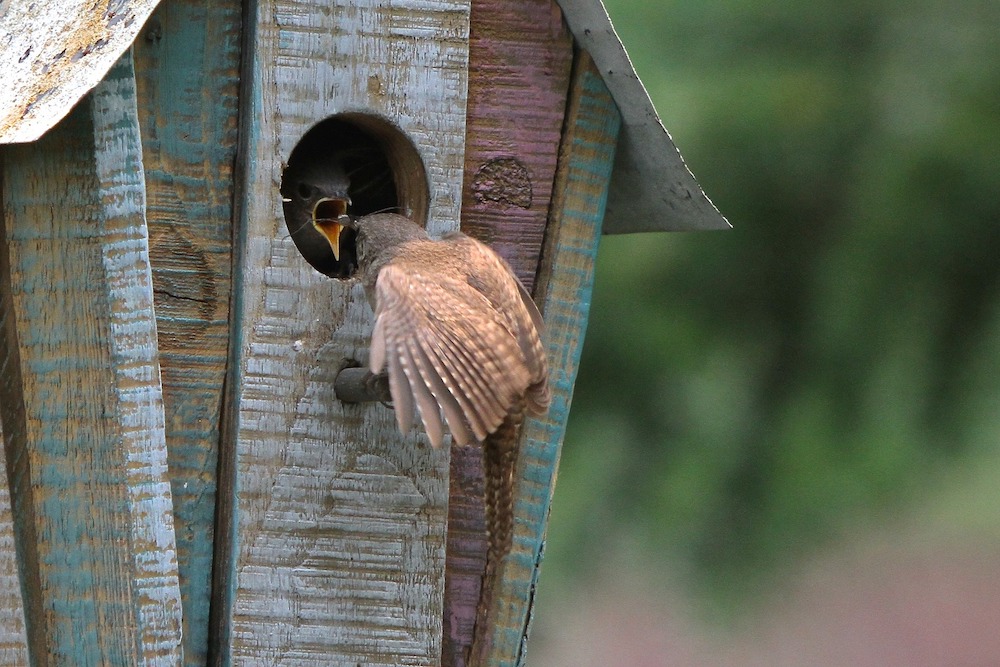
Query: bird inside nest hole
{"type": "Point", "coordinates": [337, 169]}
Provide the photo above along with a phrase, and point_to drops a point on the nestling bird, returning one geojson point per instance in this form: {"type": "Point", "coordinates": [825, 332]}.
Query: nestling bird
{"type": "Point", "coordinates": [334, 172]}
{"type": "Point", "coordinates": [315, 190]}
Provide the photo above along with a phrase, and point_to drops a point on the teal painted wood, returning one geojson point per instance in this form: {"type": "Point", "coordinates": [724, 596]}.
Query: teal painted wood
{"type": "Point", "coordinates": [565, 283]}
{"type": "Point", "coordinates": [80, 290]}
{"type": "Point", "coordinates": [187, 76]}
{"type": "Point", "coordinates": [13, 631]}
{"type": "Point", "coordinates": [20, 604]}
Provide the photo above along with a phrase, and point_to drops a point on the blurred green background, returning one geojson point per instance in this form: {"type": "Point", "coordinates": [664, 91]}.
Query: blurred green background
{"type": "Point", "coordinates": [829, 370]}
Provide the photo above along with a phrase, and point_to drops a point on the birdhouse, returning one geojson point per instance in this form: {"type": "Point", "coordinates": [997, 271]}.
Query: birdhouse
{"type": "Point", "coordinates": [184, 483]}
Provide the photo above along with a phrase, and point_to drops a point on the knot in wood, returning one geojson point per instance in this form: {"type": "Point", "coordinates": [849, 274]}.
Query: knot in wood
{"type": "Point", "coordinates": [503, 181]}
{"type": "Point", "coordinates": [184, 287]}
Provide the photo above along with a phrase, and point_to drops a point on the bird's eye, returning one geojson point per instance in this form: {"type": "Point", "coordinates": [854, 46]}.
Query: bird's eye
{"type": "Point", "coordinates": [305, 190]}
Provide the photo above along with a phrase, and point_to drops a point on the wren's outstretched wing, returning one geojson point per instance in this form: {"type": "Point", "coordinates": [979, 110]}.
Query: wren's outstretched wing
{"type": "Point", "coordinates": [448, 349]}
{"type": "Point", "coordinates": [497, 282]}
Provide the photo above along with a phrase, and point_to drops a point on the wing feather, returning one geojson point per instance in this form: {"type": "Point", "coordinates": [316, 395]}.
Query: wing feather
{"type": "Point", "coordinates": [489, 405]}
{"type": "Point", "coordinates": [434, 379]}
{"type": "Point", "coordinates": [430, 412]}
{"type": "Point", "coordinates": [510, 298]}
{"type": "Point", "coordinates": [467, 416]}
{"type": "Point", "coordinates": [480, 406]}
{"type": "Point", "coordinates": [402, 396]}
{"type": "Point", "coordinates": [450, 348]}
{"type": "Point", "coordinates": [497, 354]}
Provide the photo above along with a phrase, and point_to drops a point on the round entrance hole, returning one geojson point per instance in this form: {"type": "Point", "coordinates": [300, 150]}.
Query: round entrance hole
{"type": "Point", "coordinates": [352, 164]}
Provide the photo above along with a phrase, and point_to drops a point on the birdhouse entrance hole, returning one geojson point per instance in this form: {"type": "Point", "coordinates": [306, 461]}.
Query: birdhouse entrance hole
{"type": "Point", "coordinates": [349, 164]}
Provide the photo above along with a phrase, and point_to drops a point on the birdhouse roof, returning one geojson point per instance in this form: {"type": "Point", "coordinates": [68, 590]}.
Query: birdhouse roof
{"type": "Point", "coordinates": [651, 187]}
{"type": "Point", "coordinates": [52, 54]}
{"type": "Point", "coordinates": [55, 53]}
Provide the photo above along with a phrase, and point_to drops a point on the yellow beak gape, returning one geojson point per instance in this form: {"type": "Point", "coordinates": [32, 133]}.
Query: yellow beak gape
{"type": "Point", "coordinates": [326, 219]}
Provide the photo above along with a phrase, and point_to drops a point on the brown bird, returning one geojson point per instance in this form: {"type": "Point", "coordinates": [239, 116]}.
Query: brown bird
{"type": "Point", "coordinates": [461, 339]}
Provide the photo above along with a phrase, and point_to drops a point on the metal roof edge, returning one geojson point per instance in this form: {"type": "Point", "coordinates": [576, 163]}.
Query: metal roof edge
{"type": "Point", "coordinates": [651, 187]}
{"type": "Point", "coordinates": [54, 53]}
{"type": "Point", "coordinates": [56, 56]}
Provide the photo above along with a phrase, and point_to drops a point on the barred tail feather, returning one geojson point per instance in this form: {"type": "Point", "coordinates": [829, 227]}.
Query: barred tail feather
{"type": "Point", "coordinates": [499, 462]}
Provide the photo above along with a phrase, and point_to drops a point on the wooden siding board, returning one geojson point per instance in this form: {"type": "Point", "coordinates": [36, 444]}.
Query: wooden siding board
{"type": "Point", "coordinates": [13, 631]}
{"type": "Point", "coordinates": [338, 522]}
{"type": "Point", "coordinates": [187, 77]}
{"type": "Point", "coordinates": [81, 294]}
{"type": "Point", "coordinates": [23, 628]}
{"type": "Point", "coordinates": [565, 285]}
{"type": "Point", "coordinates": [520, 56]}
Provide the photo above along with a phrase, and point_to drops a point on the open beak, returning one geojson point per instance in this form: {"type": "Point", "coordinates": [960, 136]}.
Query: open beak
{"type": "Point", "coordinates": [328, 218]}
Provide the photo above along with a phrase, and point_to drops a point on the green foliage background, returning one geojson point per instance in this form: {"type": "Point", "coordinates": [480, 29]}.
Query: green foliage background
{"type": "Point", "coordinates": [747, 395]}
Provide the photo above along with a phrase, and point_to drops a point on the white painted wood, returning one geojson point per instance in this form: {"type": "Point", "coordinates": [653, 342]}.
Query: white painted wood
{"type": "Point", "coordinates": [339, 522]}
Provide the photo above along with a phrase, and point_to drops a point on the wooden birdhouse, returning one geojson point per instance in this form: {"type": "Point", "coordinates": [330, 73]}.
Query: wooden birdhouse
{"type": "Point", "coordinates": [184, 485]}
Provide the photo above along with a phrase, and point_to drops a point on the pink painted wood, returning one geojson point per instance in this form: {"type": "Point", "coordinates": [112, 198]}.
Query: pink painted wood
{"type": "Point", "coordinates": [520, 56]}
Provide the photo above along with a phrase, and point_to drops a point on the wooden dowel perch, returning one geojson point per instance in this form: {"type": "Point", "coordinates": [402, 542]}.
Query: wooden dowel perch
{"type": "Point", "coordinates": [360, 385]}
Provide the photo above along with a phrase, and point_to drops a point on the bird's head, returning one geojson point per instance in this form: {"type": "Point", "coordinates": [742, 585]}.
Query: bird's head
{"type": "Point", "coordinates": [321, 192]}
{"type": "Point", "coordinates": [315, 196]}
{"type": "Point", "coordinates": [323, 220]}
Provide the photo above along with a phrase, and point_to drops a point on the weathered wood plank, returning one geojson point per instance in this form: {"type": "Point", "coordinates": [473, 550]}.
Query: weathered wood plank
{"type": "Point", "coordinates": [187, 78]}
{"type": "Point", "coordinates": [565, 283]}
{"type": "Point", "coordinates": [13, 631]}
{"type": "Point", "coordinates": [19, 568]}
{"type": "Point", "coordinates": [338, 523]}
{"type": "Point", "coordinates": [520, 55]}
{"type": "Point", "coordinates": [80, 293]}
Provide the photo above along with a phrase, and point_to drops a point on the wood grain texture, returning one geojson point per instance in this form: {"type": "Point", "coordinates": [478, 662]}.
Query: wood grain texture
{"type": "Point", "coordinates": [338, 523]}
{"type": "Point", "coordinates": [91, 429]}
{"type": "Point", "coordinates": [187, 77]}
{"type": "Point", "coordinates": [22, 627]}
{"type": "Point", "coordinates": [13, 630]}
{"type": "Point", "coordinates": [520, 55]}
{"type": "Point", "coordinates": [565, 283]}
